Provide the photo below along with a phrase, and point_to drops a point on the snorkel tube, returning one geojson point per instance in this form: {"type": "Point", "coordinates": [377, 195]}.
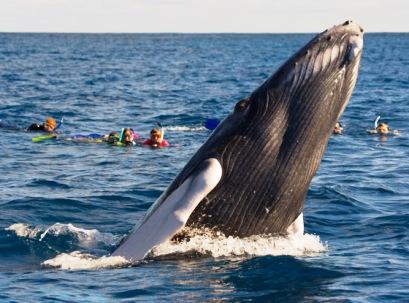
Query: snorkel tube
{"type": "Point", "coordinates": [121, 134]}
{"type": "Point", "coordinates": [162, 130]}
{"type": "Point", "coordinates": [121, 137]}
{"type": "Point", "coordinates": [59, 123]}
{"type": "Point", "coordinates": [376, 122]}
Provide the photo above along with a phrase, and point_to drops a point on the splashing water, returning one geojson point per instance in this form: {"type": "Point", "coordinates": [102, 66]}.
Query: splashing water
{"type": "Point", "coordinates": [24, 230]}
{"type": "Point", "coordinates": [204, 244]}
{"type": "Point", "coordinates": [220, 246]}
{"type": "Point", "coordinates": [85, 237]}
{"type": "Point", "coordinates": [78, 261]}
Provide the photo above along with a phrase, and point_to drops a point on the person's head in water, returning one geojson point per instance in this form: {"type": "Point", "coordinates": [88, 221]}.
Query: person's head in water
{"type": "Point", "coordinates": [337, 129]}
{"type": "Point", "coordinates": [382, 128]}
{"type": "Point", "coordinates": [156, 136]}
{"type": "Point", "coordinates": [49, 124]}
{"type": "Point", "coordinates": [113, 138]}
{"type": "Point", "coordinates": [128, 136]}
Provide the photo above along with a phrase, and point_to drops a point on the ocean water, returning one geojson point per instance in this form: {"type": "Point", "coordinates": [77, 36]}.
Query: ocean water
{"type": "Point", "coordinates": [64, 206]}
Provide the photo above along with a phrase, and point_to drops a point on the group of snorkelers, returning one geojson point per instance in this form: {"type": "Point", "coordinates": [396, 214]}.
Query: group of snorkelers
{"type": "Point", "coordinates": [381, 128]}
{"type": "Point", "coordinates": [126, 136]}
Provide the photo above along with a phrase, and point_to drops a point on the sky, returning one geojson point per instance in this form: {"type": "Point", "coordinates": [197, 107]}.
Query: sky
{"type": "Point", "coordinates": [200, 16]}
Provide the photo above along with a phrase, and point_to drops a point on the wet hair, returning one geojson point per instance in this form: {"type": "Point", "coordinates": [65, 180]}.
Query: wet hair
{"type": "Point", "coordinates": [113, 137]}
{"type": "Point", "coordinates": [127, 130]}
{"type": "Point", "coordinates": [383, 123]}
{"type": "Point", "coordinates": [50, 122]}
{"type": "Point", "coordinates": [156, 131]}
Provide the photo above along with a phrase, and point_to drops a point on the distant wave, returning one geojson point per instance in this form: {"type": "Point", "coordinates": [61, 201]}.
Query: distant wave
{"type": "Point", "coordinates": [48, 183]}
{"type": "Point", "coordinates": [185, 128]}
{"type": "Point", "coordinates": [85, 237]}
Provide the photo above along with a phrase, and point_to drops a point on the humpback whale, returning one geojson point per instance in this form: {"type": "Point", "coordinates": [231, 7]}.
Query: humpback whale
{"type": "Point", "coordinates": [252, 174]}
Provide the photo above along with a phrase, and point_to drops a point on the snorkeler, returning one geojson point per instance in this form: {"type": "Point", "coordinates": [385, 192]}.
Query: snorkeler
{"type": "Point", "coordinates": [48, 126]}
{"type": "Point", "coordinates": [382, 128]}
{"type": "Point", "coordinates": [338, 129]}
{"type": "Point", "coordinates": [127, 136]}
{"type": "Point", "coordinates": [156, 139]}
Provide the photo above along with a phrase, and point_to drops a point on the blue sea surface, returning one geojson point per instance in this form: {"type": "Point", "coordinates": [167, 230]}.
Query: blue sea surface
{"type": "Point", "coordinates": [358, 203]}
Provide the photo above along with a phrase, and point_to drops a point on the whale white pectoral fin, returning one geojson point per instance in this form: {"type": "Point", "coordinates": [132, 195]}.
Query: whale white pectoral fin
{"type": "Point", "coordinates": [297, 227]}
{"type": "Point", "coordinates": [173, 213]}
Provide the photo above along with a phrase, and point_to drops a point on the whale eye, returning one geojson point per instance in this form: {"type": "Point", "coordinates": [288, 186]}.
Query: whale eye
{"type": "Point", "coordinates": [241, 105]}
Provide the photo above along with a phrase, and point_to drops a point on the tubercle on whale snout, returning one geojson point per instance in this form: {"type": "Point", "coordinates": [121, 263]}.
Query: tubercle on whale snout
{"type": "Point", "coordinates": [349, 27]}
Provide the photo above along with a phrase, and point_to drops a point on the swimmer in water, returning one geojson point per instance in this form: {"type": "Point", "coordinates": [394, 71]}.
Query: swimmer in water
{"type": "Point", "coordinates": [382, 128]}
{"type": "Point", "coordinates": [112, 138]}
{"type": "Point", "coordinates": [129, 136]}
{"type": "Point", "coordinates": [338, 129]}
{"type": "Point", "coordinates": [48, 126]}
{"type": "Point", "coordinates": [156, 139]}
{"type": "Point", "coordinates": [126, 137]}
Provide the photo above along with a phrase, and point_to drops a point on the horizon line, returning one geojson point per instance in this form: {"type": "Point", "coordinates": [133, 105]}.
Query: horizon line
{"type": "Point", "coordinates": [187, 33]}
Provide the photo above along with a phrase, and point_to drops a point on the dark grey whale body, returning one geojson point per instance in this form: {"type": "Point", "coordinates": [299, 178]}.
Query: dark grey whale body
{"type": "Point", "coordinates": [252, 175]}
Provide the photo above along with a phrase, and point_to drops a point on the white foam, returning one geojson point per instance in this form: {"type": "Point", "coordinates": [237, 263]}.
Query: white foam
{"type": "Point", "coordinates": [79, 261]}
{"type": "Point", "coordinates": [216, 245]}
{"type": "Point", "coordinates": [186, 128]}
{"type": "Point", "coordinates": [24, 230]}
{"type": "Point", "coordinates": [85, 237]}
{"type": "Point", "coordinates": [221, 246]}
{"type": "Point", "coordinates": [203, 243]}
